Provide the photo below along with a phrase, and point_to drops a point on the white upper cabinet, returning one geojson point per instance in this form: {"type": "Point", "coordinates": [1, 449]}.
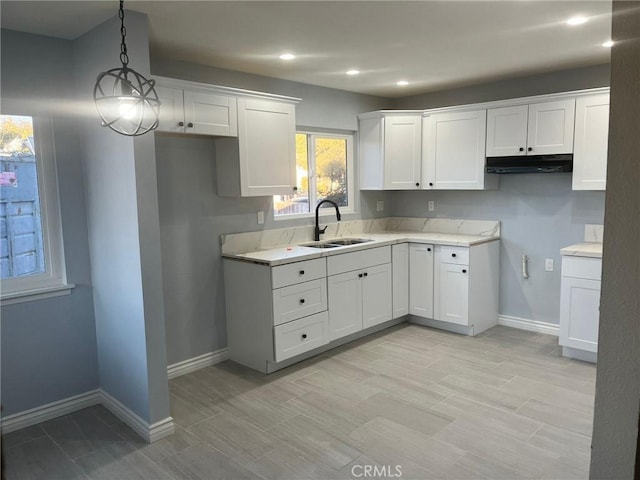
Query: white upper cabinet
{"type": "Point", "coordinates": [197, 112]}
{"type": "Point", "coordinates": [591, 141]}
{"type": "Point", "coordinates": [262, 161]}
{"type": "Point", "coordinates": [453, 151]}
{"type": "Point", "coordinates": [536, 129]}
{"type": "Point", "coordinates": [390, 156]}
{"type": "Point", "coordinates": [507, 131]}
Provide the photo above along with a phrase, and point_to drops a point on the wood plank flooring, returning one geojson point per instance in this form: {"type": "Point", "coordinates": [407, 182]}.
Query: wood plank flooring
{"type": "Point", "coordinates": [410, 400]}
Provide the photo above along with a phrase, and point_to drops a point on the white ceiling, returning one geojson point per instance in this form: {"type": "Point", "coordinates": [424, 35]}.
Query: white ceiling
{"type": "Point", "coordinates": [432, 44]}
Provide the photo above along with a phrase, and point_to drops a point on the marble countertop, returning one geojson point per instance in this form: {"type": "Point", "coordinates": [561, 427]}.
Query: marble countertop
{"type": "Point", "coordinates": [295, 253]}
{"type": "Point", "coordinates": [586, 249]}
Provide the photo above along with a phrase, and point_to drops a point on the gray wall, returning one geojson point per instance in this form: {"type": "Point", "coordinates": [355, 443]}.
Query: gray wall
{"type": "Point", "coordinates": [121, 191]}
{"type": "Point", "coordinates": [49, 346]}
{"type": "Point", "coordinates": [539, 214]}
{"type": "Point", "coordinates": [560, 81]}
{"type": "Point", "coordinates": [616, 440]}
{"type": "Point", "coordinates": [193, 216]}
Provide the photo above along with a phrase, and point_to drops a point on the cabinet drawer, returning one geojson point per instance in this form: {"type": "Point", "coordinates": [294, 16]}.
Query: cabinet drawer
{"type": "Point", "coordinates": [299, 300]}
{"type": "Point", "coordinates": [291, 273]}
{"type": "Point", "coordinates": [348, 262]}
{"type": "Point", "coordinates": [457, 255]}
{"type": "Point", "coordinates": [582, 267]}
{"type": "Point", "coordinates": [293, 338]}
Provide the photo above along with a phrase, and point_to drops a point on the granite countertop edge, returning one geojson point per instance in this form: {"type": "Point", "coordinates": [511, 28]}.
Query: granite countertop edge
{"type": "Point", "coordinates": [297, 253]}
{"type": "Point", "coordinates": [585, 249]}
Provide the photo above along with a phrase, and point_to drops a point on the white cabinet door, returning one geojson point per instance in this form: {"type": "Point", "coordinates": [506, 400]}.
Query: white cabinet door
{"type": "Point", "coordinates": [171, 109]}
{"type": "Point", "coordinates": [550, 127]}
{"type": "Point", "coordinates": [345, 304]}
{"type": "Point", "coordinates": [266, 135]}
{"type": "Point", "coordinates": [421, 280]}
{"type": "Point", "coordinates": [454, 150]}
{"type": "Point", "coordinates": [453, 294]}
{"type": "Point", "coordinates": [579, 313]}
{"type": "Point", "coordinates": [402, 152]}
{"type": "Point", "coordinates": [400, 268]}
{"type": "Point", "coordinates": [209, 114]}
{"type": "Point", "coordinates": [591, 142]}
{"type": "Point", "coordinates": [376, 295]}
{"type": "Point", "coordinates": [507, 131]}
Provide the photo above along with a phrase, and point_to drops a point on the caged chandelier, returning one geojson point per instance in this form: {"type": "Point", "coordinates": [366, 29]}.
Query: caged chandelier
{"type": "Point", "coordinates": [126, 101]}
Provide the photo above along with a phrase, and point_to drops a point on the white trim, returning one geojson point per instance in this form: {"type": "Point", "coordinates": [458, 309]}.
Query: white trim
{"type": "Point", "coordinates": [196, 363]}
{"type": "Point", "coordinates": [529, 325]}
{"type": "Point", "coordinates": [150, 433]}
{"type": "Point", "coordinates": [49, 411]}
{"type": "Point", "coordinates": [39, 294]}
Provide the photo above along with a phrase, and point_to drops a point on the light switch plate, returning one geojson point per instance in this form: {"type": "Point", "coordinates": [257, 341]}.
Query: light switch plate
{"type": "Point", "coordinates": [380, 205]}
{"type": "Point", "coordinates": [432, 205]}
{"type": "Point", "coordinates": [548, 264]}
{"type": "Point", "coordinates": [260, 218]}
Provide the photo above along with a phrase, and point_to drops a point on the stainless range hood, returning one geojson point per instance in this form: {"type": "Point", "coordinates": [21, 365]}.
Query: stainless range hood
{"type": "Point", "coordinates": [530, 164]}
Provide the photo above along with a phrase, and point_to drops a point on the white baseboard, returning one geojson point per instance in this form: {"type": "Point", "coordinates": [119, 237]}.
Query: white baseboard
{"type": "Point", "coordinates": [50, 411]}
{"type": "Point", "coordinates": [196, 363]}
{"type": "Point", "coordinates": [530, 325]}
{"type": "Point", "coordinates": [149, 432]}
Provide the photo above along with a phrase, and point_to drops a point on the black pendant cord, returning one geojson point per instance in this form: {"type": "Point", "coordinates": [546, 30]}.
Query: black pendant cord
{"type": "Point", "coordinates": [124, 58]}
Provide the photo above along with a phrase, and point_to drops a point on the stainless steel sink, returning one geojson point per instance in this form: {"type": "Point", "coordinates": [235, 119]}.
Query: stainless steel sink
{"type": "Point", "coordinates": [349, 241]}
{"type": "Point", "coordinates": [338, 242]}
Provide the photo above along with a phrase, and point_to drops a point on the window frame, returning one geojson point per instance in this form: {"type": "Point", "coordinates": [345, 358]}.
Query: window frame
{"type": "Point", "coordinates": [351, 196]}
{"type": "Point", "coordinates": [53, 281]}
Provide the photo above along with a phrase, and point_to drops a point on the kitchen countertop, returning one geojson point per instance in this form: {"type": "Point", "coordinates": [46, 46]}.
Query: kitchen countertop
{"type": "Point", "coordinates": [586, 249]}
{"type": "Point", "coordinates": [296, 253]}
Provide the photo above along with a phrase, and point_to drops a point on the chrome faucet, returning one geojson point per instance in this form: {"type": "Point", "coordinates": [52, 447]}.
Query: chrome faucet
{"type": "Point", "coordinates": [319, 230]}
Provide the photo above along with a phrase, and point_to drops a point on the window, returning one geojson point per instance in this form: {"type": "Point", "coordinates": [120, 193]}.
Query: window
{"type": "Point", "coordinates": [324, 170]}
{"type": "Point", "coordinates": [31, 258]}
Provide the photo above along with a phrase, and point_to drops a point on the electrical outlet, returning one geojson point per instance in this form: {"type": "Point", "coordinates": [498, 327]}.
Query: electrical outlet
{"type": "Point", "coordinates": [380, 205]}
{"type": "Point", "coordinates": [548, 264]}
{"type": "Point", "coordinates": [432, 205]}
{"type": "Point", "coordinates": [260, 218]}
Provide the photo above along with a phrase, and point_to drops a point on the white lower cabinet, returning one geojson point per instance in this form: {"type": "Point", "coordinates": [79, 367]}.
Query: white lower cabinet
{"type": "Point", "coordinates": [400, 279]}
{"type": "Point", "coordinates": [362, 296]}
{"type": "Point", "coordinates": [294, 338]}
{"type": "Point", "coordinates": [421, 280]}
{"type": "Point", "coordinates": [455, 286]}
{"type": "Point", "coordinates": [580, 307]}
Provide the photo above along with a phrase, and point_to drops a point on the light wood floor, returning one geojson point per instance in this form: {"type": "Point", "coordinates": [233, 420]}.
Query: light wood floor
{"type": "Point", "coordinates": [503, 405]}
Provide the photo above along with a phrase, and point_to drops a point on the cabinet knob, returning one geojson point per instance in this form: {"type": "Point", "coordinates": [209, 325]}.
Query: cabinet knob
{"type": "Point", "coordinates": [301, 301]}
{"type": "Point", "coordinates": [295, 189]}
{"type": "Point", "coordinates": [365, 274]}
{"type": "Point", "coordinates": [304, 335]}
{"type": "Point", "coordinates": [453, 255]}
{"type": "Point", "coordinates": [430, 184]}
{"type": "Point", "coordinates": [360, 275]}
{"type": "Point", "coordinates": [190, 125]}
{"type": "Point", "coordinates": [428, 249]}
{"type": "Point", "coordinates": [464, 271]}
{"type": "Point", "coordinates": [521, 149]}
{"type": "Point", "coordinates": [530, 149]}
{"type": "Point", "coordinates": [301, 272]}
{"type": "Point", "coordinates": [417, 184]}
{"type": "Point", "coordinates": [181, 124]}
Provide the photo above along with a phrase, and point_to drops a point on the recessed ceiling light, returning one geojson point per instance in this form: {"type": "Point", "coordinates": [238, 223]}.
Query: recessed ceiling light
{"type": "Point", "coordinates": [608, 44]}
{"type": "Point", "coordinates": [579, 20]}
{"type": "Point", "coordinates": [353, 72]}
{"type": "Point", "coordinates": [287, 56]}
{"type": "Point", "coordinates": [402, 83]}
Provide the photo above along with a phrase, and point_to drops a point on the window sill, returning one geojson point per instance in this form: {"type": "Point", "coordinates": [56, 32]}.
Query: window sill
{"type": "Point", "coordinates": [36, 294]}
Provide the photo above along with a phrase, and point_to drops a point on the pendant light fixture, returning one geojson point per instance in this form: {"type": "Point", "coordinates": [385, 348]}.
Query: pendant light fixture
{"type": "Point", "coordinates": [126, 101]}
